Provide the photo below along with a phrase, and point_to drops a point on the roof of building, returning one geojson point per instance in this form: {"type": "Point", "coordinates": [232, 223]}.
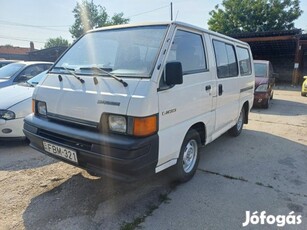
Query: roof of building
{"type": "Point", "coordinates": [14, 50]}
{"type": "Point", "coordinates": [274, 43]}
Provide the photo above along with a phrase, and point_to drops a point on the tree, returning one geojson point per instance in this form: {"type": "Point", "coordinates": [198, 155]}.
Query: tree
{"type": "Point", "coordinates": [53, 42]}
{"type": "Point", "coordinates": [254, 15]}
{"type": "Point", "coordinates": [89, 16]}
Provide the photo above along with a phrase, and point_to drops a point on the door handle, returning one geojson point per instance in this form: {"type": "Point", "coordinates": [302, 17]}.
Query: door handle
{"type": "Point", "coordinates": [208, 87]}
{"type": "Point", "coordinates": [220, 89]}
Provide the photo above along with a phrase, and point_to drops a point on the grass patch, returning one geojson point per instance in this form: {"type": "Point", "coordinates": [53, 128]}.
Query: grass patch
{"type": "Point", "coordinates": [163, 198]}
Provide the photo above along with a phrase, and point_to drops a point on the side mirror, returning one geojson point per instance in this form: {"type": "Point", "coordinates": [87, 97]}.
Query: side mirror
{"type": "Point", "coordinates": [173, 73]}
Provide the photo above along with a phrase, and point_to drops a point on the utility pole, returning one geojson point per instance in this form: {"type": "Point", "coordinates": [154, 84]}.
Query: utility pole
{"type": "Point", "coordinates": [171, 11]}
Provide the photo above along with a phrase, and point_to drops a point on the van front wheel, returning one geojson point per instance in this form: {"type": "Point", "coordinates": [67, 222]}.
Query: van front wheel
{"type": "Point", "coordinates": [189, 157]}
{"type": "Point", "coordinates": [236, 130]}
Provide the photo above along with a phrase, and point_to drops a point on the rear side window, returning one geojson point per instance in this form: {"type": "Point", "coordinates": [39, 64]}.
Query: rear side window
{"type": "Point", "coordinates": [244, 61]}
{"type": "Point", "coordinates": [188, 48]}
{"type": "Point", "coordinates": [226, 60]}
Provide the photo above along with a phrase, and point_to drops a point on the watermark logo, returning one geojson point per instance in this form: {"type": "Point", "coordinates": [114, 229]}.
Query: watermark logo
{"type": "Point", "coordinates": [280, 220]}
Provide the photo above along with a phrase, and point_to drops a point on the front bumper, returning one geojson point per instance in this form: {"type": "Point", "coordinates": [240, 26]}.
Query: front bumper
{"type": "Point", "coordinates": [117, 156]}
{"type": "Point", "coordinates": [11, 129]}
{"type": "Point", "coordinates": [261, 98]}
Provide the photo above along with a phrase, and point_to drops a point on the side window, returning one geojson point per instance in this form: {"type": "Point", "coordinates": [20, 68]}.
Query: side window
{"type": "Point", "coordinates": [29, 72]}
{"type": "Point", "coordinates": [244, 61]}
{"type": "Point", "coordinates": [226, 60]}
{"type": "Point", "coordinates": [188, 48]}
{"type": "Point", "coordinates": [271, 71]}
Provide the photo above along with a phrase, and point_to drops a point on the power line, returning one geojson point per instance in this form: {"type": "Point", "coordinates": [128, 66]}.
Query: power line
{"type": "Point", "coordinates": [146, 12]}
{"type": "Point", "coordinates": [21, 39]}
{"type": "Point", "coordinates": [8, 23]}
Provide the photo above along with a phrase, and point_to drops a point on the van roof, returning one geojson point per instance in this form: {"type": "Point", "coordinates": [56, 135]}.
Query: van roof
{"type": "Point", "coordinates": [177, 23]}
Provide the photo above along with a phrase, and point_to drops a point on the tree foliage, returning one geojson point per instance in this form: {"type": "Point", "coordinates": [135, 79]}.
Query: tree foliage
{"type": "Point", "coordinates": [53, 42]}
{"type": "Point", "coordinates": [254, 15]}
{"type": "Point", "coordinates": [89, 16]}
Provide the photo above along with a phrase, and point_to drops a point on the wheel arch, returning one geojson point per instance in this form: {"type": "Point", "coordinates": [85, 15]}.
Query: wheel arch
{"type": "Point", "coordinates": [200, 128]}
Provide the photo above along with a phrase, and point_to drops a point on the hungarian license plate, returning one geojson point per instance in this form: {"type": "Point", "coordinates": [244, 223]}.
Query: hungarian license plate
{"type": "Point", "coordinates": [60, 151]}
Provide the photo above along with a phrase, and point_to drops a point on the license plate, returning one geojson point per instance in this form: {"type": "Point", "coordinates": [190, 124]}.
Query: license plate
{"type": "Point", "coordinates": [60, 151]}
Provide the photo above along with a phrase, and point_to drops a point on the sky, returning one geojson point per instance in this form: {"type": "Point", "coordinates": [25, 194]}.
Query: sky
{"type": "Point", "coordinates": [22, 21]}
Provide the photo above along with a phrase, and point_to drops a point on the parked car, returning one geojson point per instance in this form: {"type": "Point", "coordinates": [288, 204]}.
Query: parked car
{"type": "Point", "coordinates": [264, 82]}
{"type": "Point", "coordinates": [142, 98]}
{"type": "Point", "coordinates": [16, 106]}
{"type": "Point", "coordinates": [6, 62]}
{"type": "Point", "coordinates": [304, 87]}
{"type": "Point", "coordinates": [21, 72]}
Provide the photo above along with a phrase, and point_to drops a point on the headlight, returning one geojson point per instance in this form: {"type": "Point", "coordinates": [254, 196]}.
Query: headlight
{"type": "Point", "coordinates": [117, 123]}
{"type": "Point", "coordinates": [136, 126]}
{"type": "Point", "coordinates": [41, 108]}
{"type": "Point", "coordinates": [7, 115]}
{"type": "Point", "coordinates": [262, 88]}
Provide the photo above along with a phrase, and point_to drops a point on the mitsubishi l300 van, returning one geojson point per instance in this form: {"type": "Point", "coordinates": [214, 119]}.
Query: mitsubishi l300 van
{"type": "Point", "coordinates": [131, 100]}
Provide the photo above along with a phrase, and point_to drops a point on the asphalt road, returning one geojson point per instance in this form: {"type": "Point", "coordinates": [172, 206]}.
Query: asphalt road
{"type": "Point", "coordinates": [264, 169]}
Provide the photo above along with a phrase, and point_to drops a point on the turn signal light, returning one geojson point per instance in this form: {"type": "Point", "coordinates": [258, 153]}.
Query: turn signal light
{"type": "Point", "coordinates": [144, 126]}
{"type": "Point", "coordinates": [33, 106]}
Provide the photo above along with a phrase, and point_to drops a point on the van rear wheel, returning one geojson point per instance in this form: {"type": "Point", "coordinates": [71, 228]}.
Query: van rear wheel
{"type": "Point", "coordinates": [189, 157]}
{"type": "Point", "coordinates": [237, 129]}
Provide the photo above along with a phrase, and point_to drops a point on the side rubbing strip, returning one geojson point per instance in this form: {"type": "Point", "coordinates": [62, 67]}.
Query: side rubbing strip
{"type": "Point", "coordinates": [245, 89]}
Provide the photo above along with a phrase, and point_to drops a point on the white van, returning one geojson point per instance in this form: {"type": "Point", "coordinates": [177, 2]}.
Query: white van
{"type": "Point", "coordinates": [132, 100]}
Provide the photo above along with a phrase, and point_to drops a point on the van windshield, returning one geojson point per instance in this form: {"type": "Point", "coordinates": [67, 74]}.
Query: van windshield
{"type": "Point", "coordinates": [261, 70]}
{"type": "Point", "coordinates": [122, 52]}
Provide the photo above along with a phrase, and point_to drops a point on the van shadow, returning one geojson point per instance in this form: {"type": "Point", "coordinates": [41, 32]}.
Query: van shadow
{"type": "Point", "coordinates": [18, 155]}
{"type": "Point", "coordinates": [82, 202]}
{"type": "Point", "coordinates": [259, 157]}
{"type": "Point", "coordinates": [283, 108]}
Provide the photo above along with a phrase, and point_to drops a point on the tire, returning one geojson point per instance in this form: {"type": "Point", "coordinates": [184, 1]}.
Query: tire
{"type": "Point", "coordinates": [237, 129]}
{"type": "Point", "coordinates": [271, 98]}
{"type": "Point", "coordinates": [266, 105]}
{"type": "Point", "coordinates": [189, 157]}
{"type": "Point", "coordinates": [303, 94]}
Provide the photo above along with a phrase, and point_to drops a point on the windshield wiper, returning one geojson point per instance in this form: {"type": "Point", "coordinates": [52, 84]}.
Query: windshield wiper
{"type": "Point", "coordinates": [27, 84]}
{"type": "Point", "coordinates": [71, 71]}
{"type": "Point", "coordinates": [101, 70]}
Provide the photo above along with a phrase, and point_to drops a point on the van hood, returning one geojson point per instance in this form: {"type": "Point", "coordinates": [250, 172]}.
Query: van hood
{"type": "Point", "coordinates": [13, 95]}
{"type": "Point", "coordinates": [260, 81]}
{"type": "Point", "coordinates": [67, 98]}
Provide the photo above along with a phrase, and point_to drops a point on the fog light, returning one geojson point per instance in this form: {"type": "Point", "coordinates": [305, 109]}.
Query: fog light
{"type": "Point", "coordinates": [6, 131]}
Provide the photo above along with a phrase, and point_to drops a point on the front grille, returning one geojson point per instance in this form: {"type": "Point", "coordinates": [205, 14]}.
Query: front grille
{"type": "Point", "coordinates": [74, 123]}
{"type": "Point", "coordinates": [72, 142]}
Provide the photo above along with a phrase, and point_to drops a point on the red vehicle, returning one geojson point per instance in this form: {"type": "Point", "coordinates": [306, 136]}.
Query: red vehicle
{"type": "Point", "coordinates": [264, 82]}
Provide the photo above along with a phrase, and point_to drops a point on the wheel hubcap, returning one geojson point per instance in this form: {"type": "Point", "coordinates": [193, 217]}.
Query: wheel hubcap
{"type": "Point", "coordinates": [190, 155]}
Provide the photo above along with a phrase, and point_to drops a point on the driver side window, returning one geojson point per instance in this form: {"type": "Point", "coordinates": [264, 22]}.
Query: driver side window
{"type": "Point", "coordinates": [188, 49]}
{"type": "Point", "coordinates": [28, 73]}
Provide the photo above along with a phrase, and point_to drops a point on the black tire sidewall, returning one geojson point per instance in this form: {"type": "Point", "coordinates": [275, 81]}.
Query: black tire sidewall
{"type": "Point", "coordinates": [234, 130]}
{"type": "Point", "coordinates": [181, 175]}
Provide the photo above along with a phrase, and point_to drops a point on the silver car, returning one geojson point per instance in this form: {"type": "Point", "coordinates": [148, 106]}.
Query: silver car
{"type": "Point", "coordinates": [21, 72]}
